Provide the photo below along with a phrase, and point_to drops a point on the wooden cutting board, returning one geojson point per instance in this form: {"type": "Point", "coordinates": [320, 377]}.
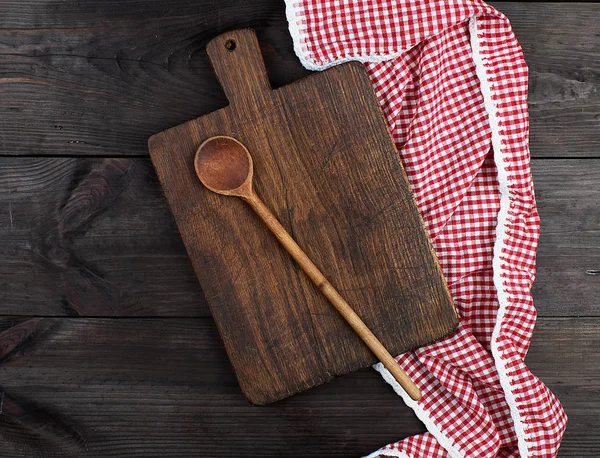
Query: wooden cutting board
{"type": "Point", "coordinates": [326, 165]}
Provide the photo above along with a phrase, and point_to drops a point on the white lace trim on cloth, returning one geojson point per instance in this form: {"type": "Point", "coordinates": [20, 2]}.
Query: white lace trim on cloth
{"type": "Point", "coordinates": [389, 452]}
{"type": "Point", "coordinates": [293, 14]}
{"type": "Point", "coordinates": [501, 234]}
{"type": "Point", "coordinates": [445, 441]}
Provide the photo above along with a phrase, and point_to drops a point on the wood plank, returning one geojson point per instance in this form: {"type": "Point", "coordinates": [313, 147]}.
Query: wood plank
{"type": "Point", "coordinates": [115, 388]}
{"type": "Point", "coordinates": [99, 80]}
{"type": "Point", "coordinates": [67, 228]}
{"type": "Point", "coordinates": [564, 354]}
{"type": "Point", "coordinates": [96, 79]}
{"type": "Point", "coordinates": [568, 259]}
{"type": "Point", "coordinates": [106, 387]}
{"type": "Point", "coordinates": [99, 269]}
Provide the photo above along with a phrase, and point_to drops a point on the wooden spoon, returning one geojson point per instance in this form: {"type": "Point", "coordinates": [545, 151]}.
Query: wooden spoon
{"type": "Point", "coordinates": [225, 167]}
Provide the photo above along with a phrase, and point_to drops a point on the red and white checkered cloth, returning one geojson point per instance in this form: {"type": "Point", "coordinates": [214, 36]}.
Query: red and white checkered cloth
{"type": "Point", "coordinates": [452, 82]}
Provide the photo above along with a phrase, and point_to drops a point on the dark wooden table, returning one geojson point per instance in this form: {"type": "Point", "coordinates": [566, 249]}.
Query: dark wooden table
{"type": "Point", "coordinates": [107, 347]}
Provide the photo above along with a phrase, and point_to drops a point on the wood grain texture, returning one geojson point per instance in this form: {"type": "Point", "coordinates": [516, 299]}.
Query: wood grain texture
{"type": "Point", "coordinates": [67, 229]}
{"type": "Point", "coordinates": [89, 78]}
{"type": "Point", "coordinates": [151, 274]}
{"type": "Point", "coordinates": [564, 354]}
{"type": "Point", "coordinates": [127, 393]}
{"type": "Point", "coordinates": [342, 195]}
{"type": "Point", "coordinates": [568, 258]}
{"type": "Point", "coordinates": [98, 77]}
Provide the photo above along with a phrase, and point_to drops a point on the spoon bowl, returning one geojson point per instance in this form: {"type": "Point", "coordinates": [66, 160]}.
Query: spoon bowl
{"type": "Point", "coordinates": [224, 166]}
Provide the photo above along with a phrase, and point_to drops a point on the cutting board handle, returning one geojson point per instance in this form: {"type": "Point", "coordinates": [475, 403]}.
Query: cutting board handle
{"type": "Point", "coordinates": [238, 63]}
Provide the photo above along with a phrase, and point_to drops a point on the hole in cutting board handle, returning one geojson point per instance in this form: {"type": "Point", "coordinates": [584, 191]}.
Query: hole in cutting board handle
{"type": "Point", "coordinates": [230, 44]}
{"type": "Point", "coordinates": [237, 60]}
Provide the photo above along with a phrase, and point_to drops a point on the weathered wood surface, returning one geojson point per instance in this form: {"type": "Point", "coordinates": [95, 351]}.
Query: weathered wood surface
{"type": "Point", "coordinates": [102, 387]}
{"type": "Point", "coordinates": [67, 248]}
{"type": "Point", "coordinates": [343, 196]}
{"type": "Point", "coordinates": [568, 258]}
{"type": "Point", "coordinates": [89, 264]}
{"type": "Point", "coordinates": [97, 79]}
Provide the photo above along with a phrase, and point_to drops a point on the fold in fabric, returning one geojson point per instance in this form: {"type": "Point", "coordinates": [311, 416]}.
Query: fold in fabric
{"type": "Point", "coordinates": [452, 83]}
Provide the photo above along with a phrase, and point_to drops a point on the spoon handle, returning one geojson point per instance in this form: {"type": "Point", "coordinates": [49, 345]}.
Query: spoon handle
{"type": "Point", "coordinates": [334, 297]}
